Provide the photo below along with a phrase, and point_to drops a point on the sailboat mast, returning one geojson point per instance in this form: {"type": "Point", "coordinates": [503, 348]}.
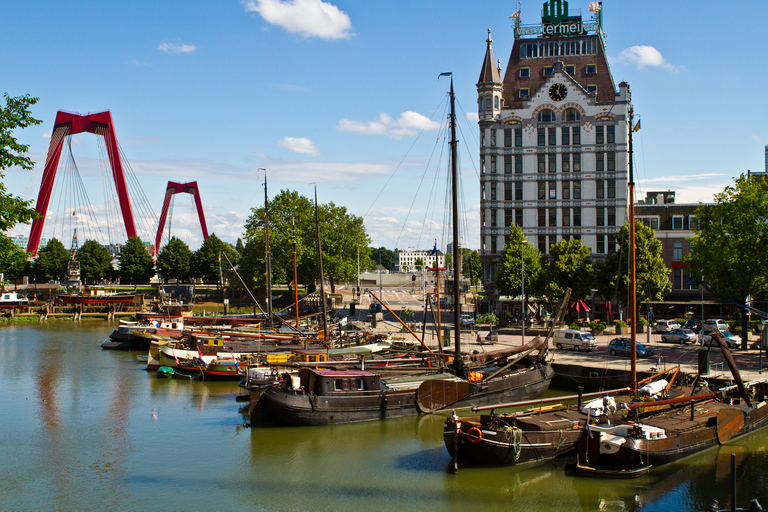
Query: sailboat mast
{"type": "Point", "coordinates": [456, 249]}
{"type": "Point", "coordinates": [295, 273]}
{"type": "Point", "coordinates": [322, 277]}
{"type": "Point", "coordinates": [632, 259]}
{"type": "Point", "coordinates": [269, 263]}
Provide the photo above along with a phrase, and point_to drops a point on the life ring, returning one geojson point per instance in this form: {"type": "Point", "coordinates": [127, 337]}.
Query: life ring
{"type": "Point", "coordinates": [474, 435]}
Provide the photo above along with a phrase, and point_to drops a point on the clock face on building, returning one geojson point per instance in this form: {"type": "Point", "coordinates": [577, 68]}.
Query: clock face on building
{"type": "Point", "coordinates": [558, 92]}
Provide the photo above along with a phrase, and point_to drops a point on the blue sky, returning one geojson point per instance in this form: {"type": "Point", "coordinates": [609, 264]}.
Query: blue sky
{"type": "Point", "coordinates": [345, 94]}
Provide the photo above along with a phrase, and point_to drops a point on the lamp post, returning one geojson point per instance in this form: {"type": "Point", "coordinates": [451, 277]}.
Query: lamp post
{"type": "Point", "coordinates": [522, 280]}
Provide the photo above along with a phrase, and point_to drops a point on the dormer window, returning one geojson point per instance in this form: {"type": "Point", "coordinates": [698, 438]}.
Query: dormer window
{"type": "Point", "coordinates": [591, 89]}
{"type": "Point", "coordinates": [547, 70]}
{"type": "Point", "coordinates": [591, 69]}
{"type": "Point", "coordinates": [525, 72]}
{"type": "Point", "coordinates": [571, 70]}
{"type": "Point", "coordinates": [524, 93]}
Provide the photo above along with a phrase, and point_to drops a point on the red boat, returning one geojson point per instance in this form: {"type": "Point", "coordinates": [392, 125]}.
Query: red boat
{"type": "Point", "coordinates": [223, 369]}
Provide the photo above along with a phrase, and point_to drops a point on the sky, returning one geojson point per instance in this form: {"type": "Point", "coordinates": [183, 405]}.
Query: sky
{"type": "Point", "coordinates": [345, 96]}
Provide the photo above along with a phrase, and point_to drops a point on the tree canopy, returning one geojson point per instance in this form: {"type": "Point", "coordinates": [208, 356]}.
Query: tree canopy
{"type": "Point", "coordinates": [730, 249]}
{"type": "Point", "coordinates": [509, 277]}
{"type": "Point", "coordinates": [14, 210]}
{"type": "Point", "coordinates": [471, 267]}
{"type": "Point", "coordinates": [136, 266]}
{"type": "Point", "coordinates": [175, 261]}
{"type": "Point", "coordinates": [652, 275]}
{"type": "Point", "coordinates": [341, 235]}
{"type": "Point", "coordinates": [205, 261]}
{"type": "Point", "coordinates": [95, 262]}
{"type": "Point", "coordinates": [568, 266]}
{"type": "Point", "coordinates": [51, 262]}
{"type": "Point", "coordinates": [13, 259]}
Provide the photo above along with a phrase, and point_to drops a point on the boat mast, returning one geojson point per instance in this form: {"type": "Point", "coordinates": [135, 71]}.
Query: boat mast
{"type": "Point", "coordinates": [269, 264]}
{"type": "Point", "coordinates": [457, 362]}
{"type": "Point", "coordinates": [295, 275]}
{"type": "Point", "coordinates": [632, 260]}
{"type": "Point", "coordinates": [322, 277]}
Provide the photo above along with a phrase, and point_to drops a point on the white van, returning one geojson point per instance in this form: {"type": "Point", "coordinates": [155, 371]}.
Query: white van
{"type": "Point", "coordinates": [573, 339]}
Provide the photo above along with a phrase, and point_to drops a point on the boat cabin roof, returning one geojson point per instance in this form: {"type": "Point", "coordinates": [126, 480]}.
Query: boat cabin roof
{"type": "Point", "coordinates": [342, 373]}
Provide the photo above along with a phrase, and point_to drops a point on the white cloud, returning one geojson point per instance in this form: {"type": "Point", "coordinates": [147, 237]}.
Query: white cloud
{"type": "Point", "coordinates": [176, 48]}
{"type": "Point", "coordinates": [308, 18]}
{"type": "Point", "coordinates": [299, 145]}
{"type": "Point", "coordinates": [409, 123]}
{"type": "Point", "coordinates": [643, 56]}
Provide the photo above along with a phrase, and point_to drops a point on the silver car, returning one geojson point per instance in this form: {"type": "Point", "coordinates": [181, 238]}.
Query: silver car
{"type": "Point", "coordinates": [732, 340]}
{"type": "Point", "coordinates": [664, 326]}
{"type": "Point", "coordinates": [679, 336]}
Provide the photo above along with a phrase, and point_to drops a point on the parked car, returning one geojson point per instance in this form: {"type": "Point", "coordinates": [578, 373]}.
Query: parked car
{"type": "Point", "coordinates": [623, 347]}
{"type": "Point", "coordinates": [732, 340]}
{"type": "Point", "coordinates": [715, 323]}
{"type": "Point", "coordinates": [679, 336]}
{"type": "Point", "coordinates": [664, 326]}
{"type": "Point", "coordinates": [577, 340]}
{"type": "Point", "coordinates": [693, 325]}
{"type": "Point", "coordinates": [466, 320]}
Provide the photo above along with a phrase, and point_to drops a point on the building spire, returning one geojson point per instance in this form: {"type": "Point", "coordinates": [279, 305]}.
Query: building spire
{"type": "Point", "coordinates": [490, 73]}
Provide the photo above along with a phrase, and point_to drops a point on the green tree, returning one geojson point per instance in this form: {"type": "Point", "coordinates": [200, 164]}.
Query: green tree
{"type": "Point", "coordinates": [175, 261]}
{"type": "Point", "coordinates": [206, 264]}
{"type": "Point", "coordinates": [509, 276]}
{"type": "Point", "coordinates": [568, 266]}
{"type": "Point", "coordinates": [341, 236]}
{"type": "Point", "coordinates": [95, 262]}
{"type": "Point", "coordinates": [471, 267]}
{"type": "Point", "coordinates": [419, 263]}
{"type": "Point", "coordinates": [15, 114]}
{"type": "Point", "coordinates": [14, 210]}
{"type": "Point", "coordinates": [289, 212]}
{"type": "Point", "coordinates": [730, 249]}
{"type": "Point", "coordinates": [382, 256]}
{"type": "Point", "coordinates": [51, 262]}
{"type": "Point", "coordinates": [239, 246]}
{"type": "Point", "coordinates": [612, 280]}
{"type": "Point", "coordinates": [136, 264]}
{"type": "Point", "coordinates": [13, 259]}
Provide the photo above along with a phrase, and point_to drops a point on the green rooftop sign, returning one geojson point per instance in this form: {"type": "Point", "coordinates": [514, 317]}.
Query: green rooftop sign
{"type": "Point", "coordinates": [556, 22]}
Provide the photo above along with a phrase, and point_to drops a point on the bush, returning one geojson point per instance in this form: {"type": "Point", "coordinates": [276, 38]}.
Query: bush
{"type": "Point", "coordinates": [643, 321]}
{"type": "Point", "coordinates": [597, 326]}
{"type": "Point", "coordinates": [488, 318]}
{"type": "Point", "coordinates": [620, 323]}
{"type": "Point", "coordinates": [574, 326]}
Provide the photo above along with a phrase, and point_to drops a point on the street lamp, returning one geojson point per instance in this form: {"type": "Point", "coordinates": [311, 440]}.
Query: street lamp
{"type": "Point", "coordinates": [522, 280]}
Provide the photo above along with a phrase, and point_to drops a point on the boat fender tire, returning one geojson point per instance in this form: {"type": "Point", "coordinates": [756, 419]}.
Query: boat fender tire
{"type": "Point", "coordinates": [474, 435]}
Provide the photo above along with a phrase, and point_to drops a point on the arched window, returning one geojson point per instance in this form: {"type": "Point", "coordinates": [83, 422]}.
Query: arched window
{"type": "Point", "coordinates": [546, 116]}
{"type": "Point", "coordinates": [571, 114]}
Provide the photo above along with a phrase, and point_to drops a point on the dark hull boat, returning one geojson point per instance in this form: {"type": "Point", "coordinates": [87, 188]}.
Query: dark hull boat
{"type": "Point", "coordinates": [334, 396]}
{"type": "Point", "coordinates": [627, 446]}
{"type": "Point", "coordinates": [343, 396]}
{"type": "Point", "coordinates": [535, 435]}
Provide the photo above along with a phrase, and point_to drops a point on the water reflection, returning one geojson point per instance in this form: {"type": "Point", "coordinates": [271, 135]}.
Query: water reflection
{"type": "Point", "coordinates": [86, 429]}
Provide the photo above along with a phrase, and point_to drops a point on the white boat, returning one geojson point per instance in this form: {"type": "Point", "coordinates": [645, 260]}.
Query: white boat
{"type": "Point", "coordinates": [10, 300]}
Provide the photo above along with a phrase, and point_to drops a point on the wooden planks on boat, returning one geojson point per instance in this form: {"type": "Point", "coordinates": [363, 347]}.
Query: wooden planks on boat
{"type": "Point", "coordinates": [729, 422]}
{"type": "Point", "coordinates": [437, 394]}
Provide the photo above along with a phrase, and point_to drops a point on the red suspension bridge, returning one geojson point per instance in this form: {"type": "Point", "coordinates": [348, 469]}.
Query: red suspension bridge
{"type": "Point", "coordinates": [101, 124]}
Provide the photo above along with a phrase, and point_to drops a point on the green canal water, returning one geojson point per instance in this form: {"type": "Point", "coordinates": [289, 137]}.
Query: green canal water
{"type": "Point", "coordinates": [83, 428]}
